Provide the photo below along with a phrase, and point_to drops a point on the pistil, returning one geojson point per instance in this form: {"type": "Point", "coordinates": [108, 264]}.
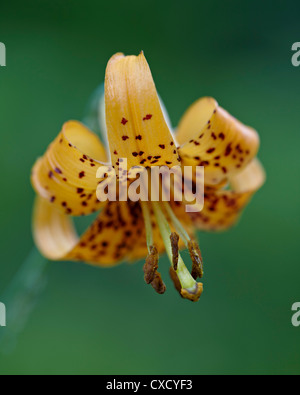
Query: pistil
{"type": "Point", "coordinates": [191, 245]}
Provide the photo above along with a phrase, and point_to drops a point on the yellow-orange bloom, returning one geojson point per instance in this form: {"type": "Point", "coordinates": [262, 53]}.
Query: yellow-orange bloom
{"type": "Point", "coordinates": [65, 179]}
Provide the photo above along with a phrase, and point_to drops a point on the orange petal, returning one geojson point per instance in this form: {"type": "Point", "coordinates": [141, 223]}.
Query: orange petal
{"type": "Point", "coordinates": [210, 137]}
{"type": "Point", "coordinates": [223, 208]}
{"type": "Point", "coordinates": [136, 126]}
{"type": "Point", "coordinates": [106, 243]}
{"type": "Point", "coordinates": [66, 174]}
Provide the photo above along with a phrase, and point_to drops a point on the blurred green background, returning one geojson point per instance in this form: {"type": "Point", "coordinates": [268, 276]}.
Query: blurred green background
{"type": "Point", "coordinates": [100, 321]}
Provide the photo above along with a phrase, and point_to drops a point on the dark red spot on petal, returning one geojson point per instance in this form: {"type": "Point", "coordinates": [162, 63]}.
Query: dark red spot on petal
{"type": "Point", "coordinates": [211, 150]}
{"type": "Point", "coordinates": [228, 150]}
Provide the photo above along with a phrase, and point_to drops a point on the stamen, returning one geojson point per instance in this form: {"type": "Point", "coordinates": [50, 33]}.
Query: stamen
{"type": "Point", "coordinates": [175, 249]}
{"type": "Point", "coordinates": [150, 268]}
{"type": "Point", "coordinates": [197, 269]}
{"type": "Point", "coordinates": [148, 225]}
{"type": "Point", "coordinates": [177, 224]}
{"type": "Point", "coordinates": [158, 284]}
{"type": "Point", "coordinates": [151, 265]}
{"type": "Point", "coordinates": [190, 289]}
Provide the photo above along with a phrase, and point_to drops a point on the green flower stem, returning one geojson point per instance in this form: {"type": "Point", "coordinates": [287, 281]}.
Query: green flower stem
{"type": "Point", "coordinates": [186, 280]}
{"type": "Point", "coordinates": [21, 297]}
{"type": "Point", "coordinates": [22, 294]}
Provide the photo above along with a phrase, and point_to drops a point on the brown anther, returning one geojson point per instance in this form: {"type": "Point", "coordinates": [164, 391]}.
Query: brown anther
{"type": "Point", "coordinates": [193, 296]}
{"type": "Point", "coordinates": [151, 265]}
{"type": "Point", "coordinates": [175, 280]}
{"type": "Point", "coordinates": [174, 242]}
{"type": "Point", "coordinates": [158, 284]}
{"type": "Point", "coordinates": [197, 269]}
{"type": "Point", "coordinates": [151, 274]}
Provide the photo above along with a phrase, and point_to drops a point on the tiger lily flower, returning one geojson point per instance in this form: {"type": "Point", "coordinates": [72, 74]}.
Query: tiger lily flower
{"type": "Point", "coordinates": [65, 180]}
